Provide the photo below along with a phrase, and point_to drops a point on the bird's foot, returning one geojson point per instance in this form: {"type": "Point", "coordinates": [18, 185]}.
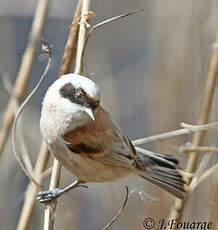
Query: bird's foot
{"type": "Point", "coordinates": [48, 196]}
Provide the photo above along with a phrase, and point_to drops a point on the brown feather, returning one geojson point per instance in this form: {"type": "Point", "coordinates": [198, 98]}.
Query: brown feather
{"type": "Point", "coordinates": [92, 138]}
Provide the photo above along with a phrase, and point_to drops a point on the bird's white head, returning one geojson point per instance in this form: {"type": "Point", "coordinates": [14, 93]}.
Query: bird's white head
{"type": "Point", "coordinates": [69, 102]}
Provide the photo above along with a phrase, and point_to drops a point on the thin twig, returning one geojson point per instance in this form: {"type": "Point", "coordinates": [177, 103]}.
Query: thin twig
{"type": "Point", "coordinates": [120, 210]}
{"type": "Point", "coordinates": [178, 207]}
{"type": "Point", "coordinates": [175, 133]}
{"type": "Point", "coordinates": [203, 177]}
{"type": "Point", "coordinates": [202, 149]}
{"type": "Point", "coordinates": [106, 22]}
{"type": "Point", "coordinates": [162, 136]}
{"type": "Point", "coordinates": [34, 185]}
{"type": "Point", "coordinates": [210, 126]}
{"type": "Point", "coordinates": [203, 165]}
{"type": "Point", "coordinates": [9, 88]}
{"type": "Point", "coordinates": [46, 173]}
{"type": "Point", "coordinates": [17, 117]}
{"type": "Point", "coordinates": [25, 69]}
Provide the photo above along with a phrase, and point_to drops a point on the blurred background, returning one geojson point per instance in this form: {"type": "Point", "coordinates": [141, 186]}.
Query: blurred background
{"type": "Point", "coordinates": [151, 68]}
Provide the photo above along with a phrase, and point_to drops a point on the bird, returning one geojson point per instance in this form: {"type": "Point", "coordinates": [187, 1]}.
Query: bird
{"type": "Point", "coordinates": [90, 144]}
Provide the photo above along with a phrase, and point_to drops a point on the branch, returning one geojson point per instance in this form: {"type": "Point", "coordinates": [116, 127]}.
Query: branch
{"type": "Point", "coordinates": [106, 22]}
{"type": "Point", "coordinates": [203, 177]}
{"type": "Point", "coordinates": [175, 133]}
{"type": "Point", "coordinates": [120, 210]}
{"type": "Point", "coordinates": [162, 136]}
{"type": "Point", "coordinates": [194, 128]}
{"type": "Point", "coordinates": [202, 149]}
{"type": "Point", "coordinates": [25, 69]}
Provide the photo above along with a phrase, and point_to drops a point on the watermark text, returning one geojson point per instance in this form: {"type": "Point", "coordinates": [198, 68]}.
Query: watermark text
{"type": "Point", "coordinates": [162, 224]}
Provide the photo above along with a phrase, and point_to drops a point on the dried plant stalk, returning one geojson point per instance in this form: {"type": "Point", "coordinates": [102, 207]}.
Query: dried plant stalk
{"type": "Point", "coordinates": [31, 192]}
{"type": "Point", "coordinates": [203, 149]}
{"type": "Point", "coordinates": [71, 45]}
{"type": "Point", "coordinates": [25, 69]}
{"type": "Point", "coordinates": [81, 45]}
{"type": "Point", "coordinates": [51, 208]}
{"type": "Point", "coordinates": [177, 209]}
{"type": "Point", "coordinates": [82, 36]}
{"type": "Point", "coordinates": [214, 212]}
{"type": "Point", "coordinates": [120, 210]}
{"type": "Point", "coordinates": [205, 107]}
{"type": "Point", "coordinates": [43, 156]}
{"type": "Point", "coordinates": [104, 23]}
{"type": "Point", "coordinates": [175, 133]}
{"type": "Point", "coordinates": [24, 103]}
{"type": "Point", "coordinates": [26, 211]}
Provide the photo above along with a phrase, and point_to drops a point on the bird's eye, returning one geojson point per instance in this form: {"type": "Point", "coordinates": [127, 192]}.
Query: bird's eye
{"type": "Point", "coordinates": [79, 95]}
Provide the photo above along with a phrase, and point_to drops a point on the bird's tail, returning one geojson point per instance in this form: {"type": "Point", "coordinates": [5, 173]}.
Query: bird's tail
{"type": "Point", "coordinates": [161, 170]}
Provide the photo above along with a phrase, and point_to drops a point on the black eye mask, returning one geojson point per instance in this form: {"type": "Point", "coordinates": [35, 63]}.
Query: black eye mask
{"type": "Point", "coordinates": [78, 96]}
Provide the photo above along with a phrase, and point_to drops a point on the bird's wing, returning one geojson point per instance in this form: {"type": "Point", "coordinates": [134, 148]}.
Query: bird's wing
{"type": "Point", "coordinates": [120, 151]}
{"type": "Point", "coordinates": [106, 143]}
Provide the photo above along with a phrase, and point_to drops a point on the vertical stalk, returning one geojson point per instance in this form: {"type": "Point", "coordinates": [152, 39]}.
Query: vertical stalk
{"type": "Point", "coordinates": [43, 156]}
{"type": "Point", "coordinates": [25, 69]}
{"type": "Point", "coordinates": [178, 207]}
{"type": "Point", "coordinates": [51, 208]}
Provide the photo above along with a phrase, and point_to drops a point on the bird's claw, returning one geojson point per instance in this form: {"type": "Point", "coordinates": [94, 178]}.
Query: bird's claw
{"type": "Point", "coordinates": [48, 196]}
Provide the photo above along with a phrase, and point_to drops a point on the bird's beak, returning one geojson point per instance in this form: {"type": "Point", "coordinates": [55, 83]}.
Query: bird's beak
{"type": "Point", "coordinates": [90, 113]}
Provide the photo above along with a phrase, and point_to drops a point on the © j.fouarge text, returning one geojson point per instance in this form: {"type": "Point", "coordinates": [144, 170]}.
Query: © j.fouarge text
{"type": "Point", "coordinates": [150, 223]}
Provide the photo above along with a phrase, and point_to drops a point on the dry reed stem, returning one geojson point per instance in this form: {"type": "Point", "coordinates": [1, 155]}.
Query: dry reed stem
{"type": "Point", "coordinates": [203, 165]}
{"type": "Point", "coordinates": [213, 217]}
{"type": "Point", "coordinates": [25, 69]}
{"type": "Point", "coordinates": [202, 149]}
{"type": "Point", "coordinates": [82, 42]}
{"type": "Point", "coordinates": [203, 177]}
{"type": "Point", "coordinates": [34, 186]}
{"type": "Point", "coordinates": [120, 210]}
{"type": "Point", "coordinates": [71, 45]}
{"type": "Point", "coordinates": [43, 155]}
{"type": "Point", "coordinates": [82, 36]}
{"type": "Point", "coordinates": [162, 136]}
{"type": "Point", "coordinates": [178, 207]}
{"type": "Point", "coordinates": [209, 126]}
{"type": "Point", "coordinates": [175, 133]}
{"type": "Point", "coordinates": [31, 191]}
{"type": "Point", "coordinates": [50, 209]}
